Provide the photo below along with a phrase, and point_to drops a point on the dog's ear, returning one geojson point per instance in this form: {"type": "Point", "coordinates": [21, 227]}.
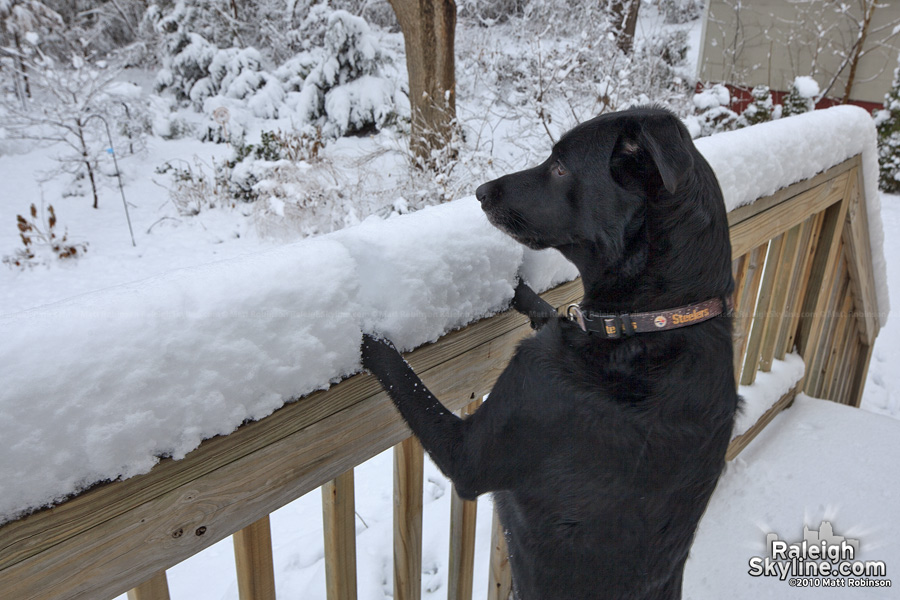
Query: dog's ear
{"type": "Point", "coordinates": [665, 141]}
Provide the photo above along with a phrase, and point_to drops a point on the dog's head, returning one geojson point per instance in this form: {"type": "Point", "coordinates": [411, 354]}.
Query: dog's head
{"type": "Point", "coordinates": [607, 190]}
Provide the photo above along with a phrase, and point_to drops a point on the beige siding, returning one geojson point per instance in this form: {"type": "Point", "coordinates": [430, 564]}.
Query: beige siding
{"type": "Point", "coordinates": [772, 41]}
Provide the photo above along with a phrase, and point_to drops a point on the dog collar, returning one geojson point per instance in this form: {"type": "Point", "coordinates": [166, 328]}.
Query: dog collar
{"type": "Point", "coordinates": [614, 326]}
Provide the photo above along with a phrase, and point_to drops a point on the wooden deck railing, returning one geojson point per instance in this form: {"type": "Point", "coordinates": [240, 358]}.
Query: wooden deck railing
{"type": "Point", "coordinates": [804, 281]}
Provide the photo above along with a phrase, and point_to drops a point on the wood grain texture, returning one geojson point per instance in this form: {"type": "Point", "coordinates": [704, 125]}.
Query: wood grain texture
{"type": "Point", "coordinates": [500, 574]}
{"type": "Point", "coordinates": [745, 306]}
{"type": "Point", "coordinates": [762, 318]}
{"type": "Point", "coordinates": [461, 565]}
{"type": "Point", "coordinates": [784, 343]}
{"type": "Point", "coordinates": [781, 217]}
{"type": "Point", "coordinates": [339, 519]}
{"type": "Point", "coordinates": [253, 561]}
{"type": "Point", "coordinates": [155, 588]}
{"type": "Point", "coordinates": [409, 462]}
{"type": "Point", "coordinates": [790, 254]}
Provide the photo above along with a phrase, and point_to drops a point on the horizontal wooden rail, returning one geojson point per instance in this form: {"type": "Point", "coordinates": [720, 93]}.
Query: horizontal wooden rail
{"type": "Point", "coordinates": [803, 276]}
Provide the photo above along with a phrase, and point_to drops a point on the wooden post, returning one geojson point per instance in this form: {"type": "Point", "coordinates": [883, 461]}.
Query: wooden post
{"type": "Point", "coordinates": [155, 588]}
{"type": "Point", "coordinates": [340, 537]}
{"type": "Point", "coordinates": [859, 376]}
{"type": "Point", "coordinates": [806, 250]}
{"type": "Point", "coordinates": [762, 317]}
{"type": "Point", "coordinates": [838, 346]}
{"type": "Point", "coordinates": [785, 274]}
{"type": "Point", "coordinates": [462, 539]}
{"type": "Point", "coordinates": [253, 559]}
{"type": "Point", "coordinates": [815, 359]}
{"type": "Point", "coordinates": [409, 461]}
{"type": "Point", "coordinates": [500, 576]}
{"type": "Point", "coordinates": [820, 282]}
{"type": "Point", "coordinates": [745, 306]}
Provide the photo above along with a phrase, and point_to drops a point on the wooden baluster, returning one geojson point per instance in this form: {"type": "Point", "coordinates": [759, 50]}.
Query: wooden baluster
{"type": "Point", "coordinates": [745, 305]}
{"type": "Point", "coordinates": [793, 329]}
{"type": "Point", "coordinates": [339, 519]}
{"type": "Point", "coordinates": [784, 275]}
{"type": "Point", "coordinates": [846, 356]}
{"type": "Point", "coordinates": [815, 366]}
{"type": "Point", "coordinates": [462, 538]}
{"type": "Point", "coordinates": [799, 280]}
{"type": "Point", "coordinates": [762, 317]}
{"type": "Point", "coordinates": [500, 575]}
{"type": "Point", "coordinates": [409, 460]}
{"type": "Point", "coordinates": [155, 588]}
{"type": "Point", "coordinates": [859, 376]}
{"type": "Point", "coordinates": [820, 283]}
{"type": "Point", "coordinates": [837, 347]}
{"type": "Point", "coordinates": [253, 559]}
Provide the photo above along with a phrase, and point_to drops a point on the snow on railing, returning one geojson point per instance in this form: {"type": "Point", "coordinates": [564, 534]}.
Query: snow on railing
{"type": "Point", "coordinates": [99, 387]}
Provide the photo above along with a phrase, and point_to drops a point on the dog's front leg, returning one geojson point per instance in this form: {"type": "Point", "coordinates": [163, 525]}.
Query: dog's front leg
{"type": "Point", "coordinates": [438, 429]}
{"type": "Point", "coordinates": [529, 303]}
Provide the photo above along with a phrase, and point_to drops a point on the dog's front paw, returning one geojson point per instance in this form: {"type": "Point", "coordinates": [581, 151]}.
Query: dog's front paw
{"type": "Point", "coordinates": [378, 355]}
{"type": "Point", "coordinates": [529, 303]}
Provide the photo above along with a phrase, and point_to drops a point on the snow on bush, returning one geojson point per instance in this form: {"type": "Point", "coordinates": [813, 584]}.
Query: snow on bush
{"type": "Point", "coordinates": [711, 112]}
{"type": "Point", "coordinates": [760, 110]}
{"type": "Point", "coordinates": [888, 123]}
{"type": "Point", "coordinates": [198, 71]}
{"type": "Point", "coordinates": [802, 96]}
{"type": "Point", "coordinates": [347, 92]}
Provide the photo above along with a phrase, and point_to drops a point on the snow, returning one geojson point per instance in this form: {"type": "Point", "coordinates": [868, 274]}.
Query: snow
{"type": "Point", "coordinates": [164, 363]}
{"type": "Point", "coordinates": [816, 461]}
{"type": "Point", "coordinates": [758, 161]}
{"type": "Point", "coordinates": [806, 86]}
{"type": "Point", "coordinates": [767, 389]}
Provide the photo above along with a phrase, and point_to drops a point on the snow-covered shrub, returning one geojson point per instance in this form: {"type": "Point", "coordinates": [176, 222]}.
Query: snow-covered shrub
{"type": "Point", "coordinates": [712, 114]}
{"type": "Point", "coordinates": [253, 164]}
{"type": "Point", "coordinates": [194, 187]}
{"type": "Point", "coordinates": [41, 241]}
{"type": "Point", "coordinates": [887, 121]}
{"type": "Point", "coordinates": [197, 71]}
{"type": "Point", "coordinates": [346, 91]}
{"type": "Point", "coordinates": [299, 199]}
{"type": "Point", "coordinates": [681, 11]}
{"type": "Point", "coordinates": [802, 96]}
{"type": "Point", "coordinates": [488, 12]}
{"type": "Point", "coordinates": [760, 110]}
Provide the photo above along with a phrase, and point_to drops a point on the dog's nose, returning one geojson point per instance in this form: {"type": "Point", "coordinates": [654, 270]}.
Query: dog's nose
{"type": "Point", "coordinates": [483, 193]}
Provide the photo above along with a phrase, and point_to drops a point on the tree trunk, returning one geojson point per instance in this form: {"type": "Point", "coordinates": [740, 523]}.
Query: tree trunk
{"type": "Point", "coordinates": [21, 64]}
{"type": "Point", "coordinates": [624, 15]}
{"type": "Point", "coordinates": [858, 50]}
{"type": "Point", "coordinates": [428, 34]}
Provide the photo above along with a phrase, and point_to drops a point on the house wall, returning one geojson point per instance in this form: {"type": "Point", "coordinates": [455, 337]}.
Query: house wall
{"type": "Point", "coordinates": [770, 42]}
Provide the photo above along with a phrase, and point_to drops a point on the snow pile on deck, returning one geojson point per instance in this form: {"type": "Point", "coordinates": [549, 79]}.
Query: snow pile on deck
{"type": "Point", "coordinates": [98, 386]}
{"type": "Point", "coordinates": [817, 461]}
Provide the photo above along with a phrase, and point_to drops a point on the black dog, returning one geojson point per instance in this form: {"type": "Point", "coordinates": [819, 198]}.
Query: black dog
{"type": "Point", "coordinates": [601, 441]}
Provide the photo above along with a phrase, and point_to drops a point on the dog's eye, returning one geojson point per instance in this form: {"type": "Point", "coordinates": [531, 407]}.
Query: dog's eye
{"type": "Point", "coordinates": [559, 169]}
